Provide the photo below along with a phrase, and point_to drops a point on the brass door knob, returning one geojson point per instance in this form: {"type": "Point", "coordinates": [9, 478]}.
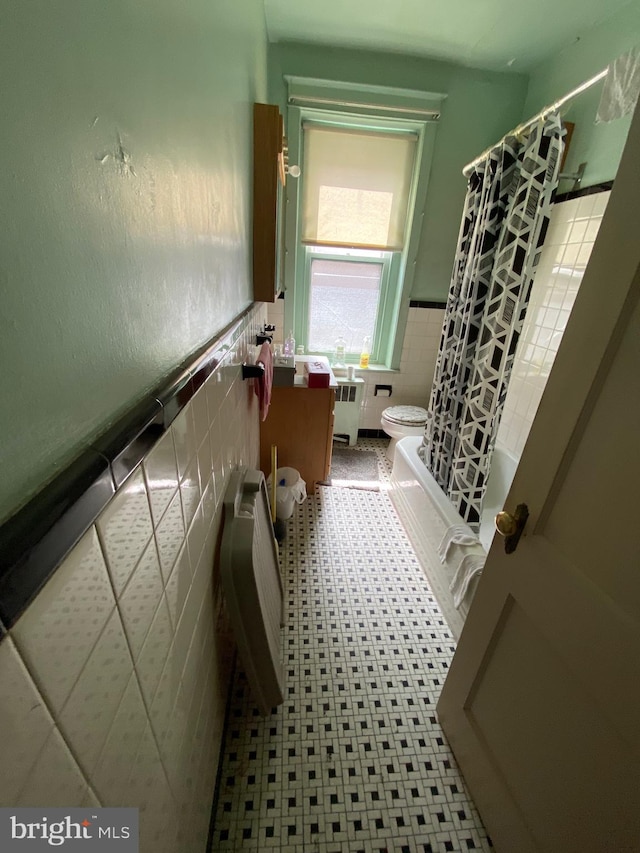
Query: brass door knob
{"type": "Point", "coordinates": [511, 526]}
{"type": "Point", "coordinates": [506, 524]}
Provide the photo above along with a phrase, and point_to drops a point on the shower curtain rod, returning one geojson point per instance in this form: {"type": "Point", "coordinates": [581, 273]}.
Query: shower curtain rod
{"type": "Point", "coordinates": [521, 127]}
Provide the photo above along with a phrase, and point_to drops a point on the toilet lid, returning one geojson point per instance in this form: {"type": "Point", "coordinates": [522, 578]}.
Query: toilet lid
{"type": "Point", "coordinates": [413, 415]}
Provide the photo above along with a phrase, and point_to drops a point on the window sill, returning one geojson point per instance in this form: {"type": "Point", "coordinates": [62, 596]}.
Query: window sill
{"type": "Point", "coordinates": [361, 372]}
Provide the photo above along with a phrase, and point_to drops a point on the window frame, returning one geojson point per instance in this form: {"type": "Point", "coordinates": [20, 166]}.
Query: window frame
{"type": "Point", "coordinates": [393, 311]}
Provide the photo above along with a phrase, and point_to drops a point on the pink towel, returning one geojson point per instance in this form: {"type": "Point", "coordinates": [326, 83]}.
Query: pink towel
{"type": "Point", "coordinates": [262, 386]}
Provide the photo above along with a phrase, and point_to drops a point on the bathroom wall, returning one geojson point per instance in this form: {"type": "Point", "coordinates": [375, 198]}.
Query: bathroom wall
{"type": "Point", "coordinates": [599, 145]}
{"type": "Point", "coordinates": [572, 231]}
{"type": "Point", "coordinates": [125, 223]}
{"type": "Point", "coordinates": [115, 677]}
{"type": "Point", "coordinates": [480, 106]}
{"type": "Point", "coordinates": [411, 384]}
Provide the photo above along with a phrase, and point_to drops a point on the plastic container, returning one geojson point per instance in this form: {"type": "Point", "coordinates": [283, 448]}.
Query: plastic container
{"type": "Point", "coordinates": [290, 490]}
{"type": "Point", "coordinates": [364, 355]}
{"type": "Point", "coordinates": [290, 345]}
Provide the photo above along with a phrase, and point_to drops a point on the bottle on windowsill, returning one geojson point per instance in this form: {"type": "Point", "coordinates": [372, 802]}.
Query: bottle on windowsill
{"type": "Point", "coordinates": [290, 345]}
{"type": "Point", "coordinates": [364, 355]}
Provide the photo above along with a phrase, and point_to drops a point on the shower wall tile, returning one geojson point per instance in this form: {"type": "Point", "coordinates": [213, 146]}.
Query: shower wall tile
{"type": "Point", "coordinates": [572, 231]}
{"type": "Point", "coordinates": [118, 671]}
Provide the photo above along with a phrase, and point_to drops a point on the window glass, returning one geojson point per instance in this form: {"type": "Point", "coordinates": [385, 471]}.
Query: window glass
{"type": "Point", "coordinates": [343, 302]}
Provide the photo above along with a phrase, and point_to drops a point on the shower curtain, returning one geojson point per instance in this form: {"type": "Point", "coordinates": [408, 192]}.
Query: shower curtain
{"type": "Point", "coordinates": [506, 215]}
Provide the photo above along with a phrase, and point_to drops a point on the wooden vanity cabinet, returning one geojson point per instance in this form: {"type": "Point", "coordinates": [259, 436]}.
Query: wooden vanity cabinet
{"type": "Point", "coordinates": [300, 423]}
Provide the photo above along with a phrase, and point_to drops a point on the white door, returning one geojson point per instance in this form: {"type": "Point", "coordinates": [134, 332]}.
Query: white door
{"type": "Point", "coordinates": [542, 702]}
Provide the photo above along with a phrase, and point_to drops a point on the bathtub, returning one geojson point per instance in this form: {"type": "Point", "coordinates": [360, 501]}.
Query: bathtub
{"type": "Point", "coordinates": [426, 514]}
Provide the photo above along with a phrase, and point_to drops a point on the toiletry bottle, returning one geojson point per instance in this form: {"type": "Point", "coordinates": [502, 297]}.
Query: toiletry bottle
{"type": "Point", "coordinates": [290, 345]}
{"type": "Point", "coordinates": [341, 349]}
{"type": "Point", "coordinates": [364, 355]}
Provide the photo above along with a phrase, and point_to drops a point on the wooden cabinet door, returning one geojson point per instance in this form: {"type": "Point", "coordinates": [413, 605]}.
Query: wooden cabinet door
{"type": "Point", "coordinates": [300, 424]}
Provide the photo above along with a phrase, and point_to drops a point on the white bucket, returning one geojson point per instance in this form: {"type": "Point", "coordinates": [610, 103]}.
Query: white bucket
{"type": "Point", "coordinates": [290, 490]}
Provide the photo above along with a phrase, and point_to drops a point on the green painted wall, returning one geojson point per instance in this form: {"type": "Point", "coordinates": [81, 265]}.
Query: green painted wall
{"type": "Point", "coordinates": [125, 219]}
{"type": "Point", "coordinates": [599, 145]}
{"type": "Point", "coordinates": [480, 107]}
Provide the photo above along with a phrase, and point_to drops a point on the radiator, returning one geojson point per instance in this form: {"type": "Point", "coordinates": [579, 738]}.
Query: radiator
{"type": "Point", "coordinates": [250, 576]}
{"type": "Point", "coordinates": [347, 409]}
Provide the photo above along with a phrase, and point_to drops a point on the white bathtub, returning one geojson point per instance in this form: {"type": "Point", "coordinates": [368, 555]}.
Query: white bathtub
{"type": "Point", "coordinates": [427, 513]}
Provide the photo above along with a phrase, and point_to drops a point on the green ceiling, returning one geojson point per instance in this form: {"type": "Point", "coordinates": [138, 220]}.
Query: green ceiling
{"type": "Point", "coordinates": [492, 34]}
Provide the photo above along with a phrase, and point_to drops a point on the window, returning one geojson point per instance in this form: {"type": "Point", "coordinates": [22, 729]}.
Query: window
{"type": "Point", "coordinates": [363, 173]}
{"type": "Point", "coordinates": [356, 186]}
{"type": "Point", "coordinates": [344, 298]}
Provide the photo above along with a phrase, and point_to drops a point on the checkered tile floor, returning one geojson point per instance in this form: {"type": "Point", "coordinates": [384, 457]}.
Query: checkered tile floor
{"type": "Point", "coordinates": [354, 760]}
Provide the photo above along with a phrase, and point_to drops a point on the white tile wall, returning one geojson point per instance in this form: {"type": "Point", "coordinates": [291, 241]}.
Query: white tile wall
{"type": "Point", "coordinates": [115, 678]}
{"type": "Point", "coordinates": [275, 316]}
{"type": "Point", "coordinates": [573, 228]}
{"type": "Point", "coordinates": [411, 384]}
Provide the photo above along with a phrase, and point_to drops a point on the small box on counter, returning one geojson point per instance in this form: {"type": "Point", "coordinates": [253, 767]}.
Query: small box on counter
{"type": "Point", "coordinates": [284, 361]}
{"type": "Point", "coordinates": [317, 374]}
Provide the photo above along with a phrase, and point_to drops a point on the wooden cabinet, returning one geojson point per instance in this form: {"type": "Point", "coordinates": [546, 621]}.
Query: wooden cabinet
{"type": "Point", "coordinates": [300, 423]}
{"type": "Point", "coordinates": [268, 199]}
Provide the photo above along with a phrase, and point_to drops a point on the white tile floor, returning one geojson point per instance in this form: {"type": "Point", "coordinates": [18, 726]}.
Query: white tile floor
{"type": "Point", "coordinates": [354, 760]}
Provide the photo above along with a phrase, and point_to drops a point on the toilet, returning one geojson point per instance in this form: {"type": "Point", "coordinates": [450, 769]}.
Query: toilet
{"type": "Point", "coordinates": [401, 421]}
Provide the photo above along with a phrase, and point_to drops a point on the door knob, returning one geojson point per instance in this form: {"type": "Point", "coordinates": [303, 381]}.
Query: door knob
{"type": "Point", "coordinates": [511, 526]}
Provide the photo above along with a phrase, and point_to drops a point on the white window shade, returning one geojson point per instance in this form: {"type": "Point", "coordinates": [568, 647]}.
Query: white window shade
{"type": "Point", "coordinates": [356, 187]}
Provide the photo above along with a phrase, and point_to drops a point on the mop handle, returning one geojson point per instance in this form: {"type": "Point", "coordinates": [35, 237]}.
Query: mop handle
{"type": "Point", "coordinates": [274, 468]}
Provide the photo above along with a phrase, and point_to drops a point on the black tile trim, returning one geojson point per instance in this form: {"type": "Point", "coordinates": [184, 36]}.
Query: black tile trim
{"type": "Point", "coordinates": [38, 537]}
{"type": "Point", "coordinates": [372, 433]}
{"type": "Point", "coordinates": [129, 440]}
{"type": "Point", "coordinates": [604, 187]}
{"type": "Point", "coordinates": [174, 396]}
{"type": "Point", "coordinates": [422, 303]}
{"type": "Point", "coordinates": [35, 540]}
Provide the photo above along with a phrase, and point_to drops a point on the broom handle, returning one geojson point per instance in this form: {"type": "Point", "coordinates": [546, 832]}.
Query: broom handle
{"type": "Point", "coordinates": [274, 468]}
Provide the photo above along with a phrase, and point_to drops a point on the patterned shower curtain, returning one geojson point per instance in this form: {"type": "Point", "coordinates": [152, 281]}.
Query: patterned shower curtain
{"type": "Point", "coordinates": [506, 215]}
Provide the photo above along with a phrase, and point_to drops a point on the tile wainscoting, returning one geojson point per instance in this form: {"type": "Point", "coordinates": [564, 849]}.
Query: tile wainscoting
{"type": "Point", "coordinates": [115, 676]}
